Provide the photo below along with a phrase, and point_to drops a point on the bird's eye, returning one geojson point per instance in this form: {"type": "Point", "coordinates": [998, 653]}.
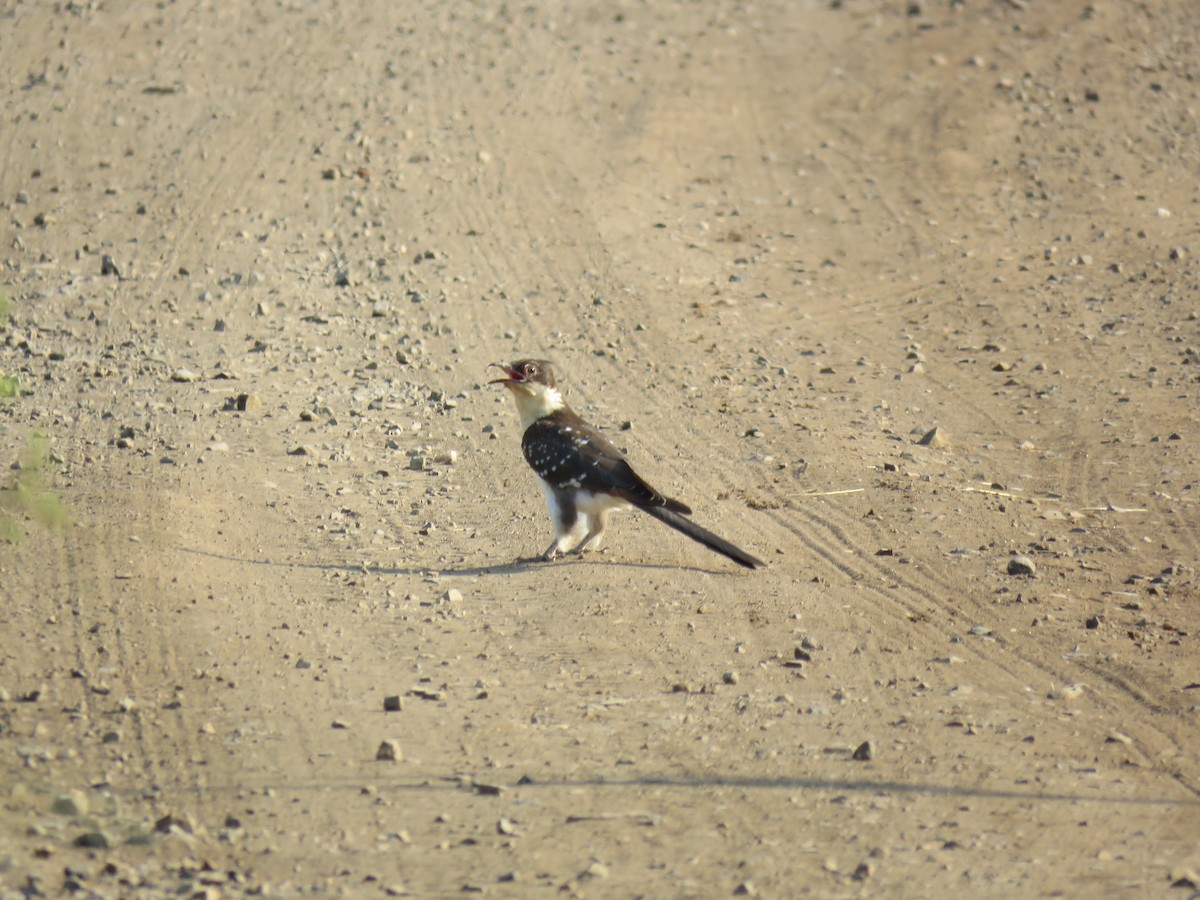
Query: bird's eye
{"type": "Point", "coordinates": [530, 370]}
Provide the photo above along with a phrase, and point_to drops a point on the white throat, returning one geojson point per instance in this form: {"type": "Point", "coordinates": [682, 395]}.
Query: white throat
{"type": "Point", "coordinates": [539, 403]}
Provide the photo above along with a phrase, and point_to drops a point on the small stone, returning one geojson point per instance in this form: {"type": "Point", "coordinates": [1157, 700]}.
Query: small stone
{"type": "Point", "coordinates": [935, 437]}
{"type": "Point", "coordinates": [1092, 623]}
{"type": "Point", "coordinates": [595, 869]}
{"type": "Point", "coordinates": [1021, 565]}
{"type": "Point", "coordinates": [108, 266]}
{"type": "Point", "coordinates": [303, 450]}
{"type": "Point", "coordinates": [453, 595]}
{"type": "Point", "coordinates": [417, 463]}
{"type": "Point", "coordinates": [506, 826]}
{"type": "Point", "coordinates": [184, 376]}
{"type": "Point", "coordinates": [864, 752]}
{"type": "Point", "coordinates": [1184, 878]}
{"type": "Point", "coordinates": [340, 725]}
{"type": "Point", "coordinates": [248, 402]}
{"type": "Point", "coordinates": [72, 803]}
{"type": "Point", "coordinates": [94, 840]}
{"type": "Point", "coordinates": [392, 703]}
{"type": "Point", "coordinates": [745, 889]}
{"type": "Point", "coordinates": [169, 823]}
{"type": "Point", "coordinates": [389, 751]}
{"type": "Point", "coordinates": [729, 677]}
{"type": "Point", "coordinates": [1178, 253]}
{"type": "Point", "coordinates": [863, 871]}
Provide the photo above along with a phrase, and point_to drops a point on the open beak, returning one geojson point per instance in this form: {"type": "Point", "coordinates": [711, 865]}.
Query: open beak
{"type": "Point", "coordinates": [513, 374]}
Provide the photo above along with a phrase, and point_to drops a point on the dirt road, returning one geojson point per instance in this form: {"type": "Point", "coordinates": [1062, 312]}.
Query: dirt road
{"type": "Point", "coordinates": [900, 297]}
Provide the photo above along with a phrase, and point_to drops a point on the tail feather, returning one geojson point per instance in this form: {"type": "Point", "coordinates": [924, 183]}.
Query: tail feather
{"type": "Point", "coordinates": [704, 536]}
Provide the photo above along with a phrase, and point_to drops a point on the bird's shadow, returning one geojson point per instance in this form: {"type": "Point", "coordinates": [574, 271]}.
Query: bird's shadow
{"type": "Point", "coordinates": [516, 566]}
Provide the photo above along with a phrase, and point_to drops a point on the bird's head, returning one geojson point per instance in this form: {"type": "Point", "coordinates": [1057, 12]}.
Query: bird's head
{"type": "Point", "coordinates": [532, 384]}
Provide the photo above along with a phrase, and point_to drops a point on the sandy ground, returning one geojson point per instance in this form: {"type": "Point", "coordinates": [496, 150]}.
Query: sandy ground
{"type": "Point", "coordinates": [770, 246]}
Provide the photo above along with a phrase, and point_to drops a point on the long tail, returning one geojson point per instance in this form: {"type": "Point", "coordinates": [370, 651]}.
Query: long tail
{"type": "Point", "coordinates": [704, 536]}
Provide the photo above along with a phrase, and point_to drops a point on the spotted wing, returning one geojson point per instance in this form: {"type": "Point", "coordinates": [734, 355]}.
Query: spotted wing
{"type": "Point", "coordinates": [568, 453]}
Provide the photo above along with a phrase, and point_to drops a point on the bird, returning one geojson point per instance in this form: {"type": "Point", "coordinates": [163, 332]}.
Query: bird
{"type": "Point", "coordinates": [584, 475]}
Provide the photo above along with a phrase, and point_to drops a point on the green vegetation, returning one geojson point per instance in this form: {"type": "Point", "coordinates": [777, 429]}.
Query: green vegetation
{"type": "Point", "coordinates": [27, 495]}
{"type": "Point", "coordinates": [10, 386]}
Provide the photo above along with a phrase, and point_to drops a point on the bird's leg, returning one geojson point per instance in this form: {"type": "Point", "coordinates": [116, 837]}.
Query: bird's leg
{"type": "Point", "coordinates": [596, 525]}
{"type": "Point", "coordinates": [565, 516]}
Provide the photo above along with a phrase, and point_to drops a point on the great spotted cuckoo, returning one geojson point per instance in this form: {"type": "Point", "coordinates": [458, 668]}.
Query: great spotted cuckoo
{"type": "Point", "coordinates": [584, 476]}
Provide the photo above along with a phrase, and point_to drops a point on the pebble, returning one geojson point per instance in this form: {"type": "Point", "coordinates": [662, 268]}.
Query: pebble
{"type": "Point", "coordinates": [864, 751]}
{"type": "Point", "coordinates": [730, 677]}
{"type": "Point", "coordinates": [1184, 878]}
{"type": "Point", "coordinates": [95, 840]}
{"type": "Point", "coordinates": [595, 869]}
{"type": "Point", "coordinates": [389, 751]}
{"type": "Point", "coordinates": [863, 871]}
{"type": "Point", "coordinates": [935, 437]}
{"type": "Point", "coordinates": [169, 823]}
{"type": "Point", "coordinates": [392, 703]}
{"type": "Point", "coordinates": [453, 595]}
{"type": "Point", "coordinates": [108, 266]}
{"type": "Point", "coordinates": [248, 402]}
{"type": "Point", "coordinates": [1021, 565]}
{"type": "Point", "coordinates": [72, 803]}
{"type": "Point", "coordinates": [184, 376]}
